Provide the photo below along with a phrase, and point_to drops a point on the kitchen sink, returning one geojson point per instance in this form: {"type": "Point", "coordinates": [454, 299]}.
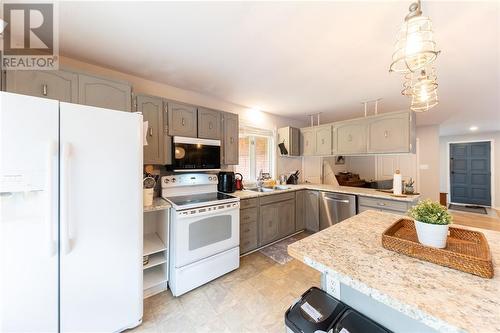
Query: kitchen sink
{"type": "Point", "coordinates": [267, 189]}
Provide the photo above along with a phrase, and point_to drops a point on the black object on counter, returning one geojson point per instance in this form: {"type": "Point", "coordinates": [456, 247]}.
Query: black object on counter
{"type": "Point", "coordinates": [316, 310]}
{"type": "Point", "coordinates": [293, 178]}
{"type": "Point", "coordinates": [226, 182]}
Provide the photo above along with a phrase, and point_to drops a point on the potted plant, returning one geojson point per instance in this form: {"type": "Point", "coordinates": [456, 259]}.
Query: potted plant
{"type": "Point", "coordinates": [431, 221]}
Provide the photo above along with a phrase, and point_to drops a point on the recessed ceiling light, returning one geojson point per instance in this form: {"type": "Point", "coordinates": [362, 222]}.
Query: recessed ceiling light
{"type": "Point", "coordinates": [473, 128]}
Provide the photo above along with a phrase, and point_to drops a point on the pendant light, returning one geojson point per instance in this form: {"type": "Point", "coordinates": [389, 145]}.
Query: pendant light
{"type": "Point", "coordinates": [421, 87]}
{"type": "Point", "coordinates": [415, 47]}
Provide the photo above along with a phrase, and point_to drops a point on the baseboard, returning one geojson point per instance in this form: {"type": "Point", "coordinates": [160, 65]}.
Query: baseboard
{"type": "Point", "coordinates": [276, 241]}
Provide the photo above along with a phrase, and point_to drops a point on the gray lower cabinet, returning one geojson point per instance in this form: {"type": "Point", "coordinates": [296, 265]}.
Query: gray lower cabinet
{"type": "Point", "coordinates": [209, 124]}
{"type": "Point", "coordinates": [60, 85]}
{"type": "Point", "coordinates": [269, 220]}
{"type": "Point", "coordinates": [311, 210]}
{"type": "Point", "coordinates": [230, 144]}
{"type": "Point", "coordinates": [383, 205]}
{"type": "Point", "coordinates": [286, 218]}
{"type": "Point", "coordinates": [182, 119]}
{"type": "Point", "coordinates": [249, 219]}
{"type": "Point", "coordinates": [158, 148]}
{"type": "Point", "coordinates": [300, 217]}
{"type": "Point", "coordinates": [96, 91]}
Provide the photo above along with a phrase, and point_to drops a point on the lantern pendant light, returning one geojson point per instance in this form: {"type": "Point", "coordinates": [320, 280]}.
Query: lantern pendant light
{"type": "Point", "coordinates": [421, 87]}
{"type": "Point", "coordinates": [415, 47]}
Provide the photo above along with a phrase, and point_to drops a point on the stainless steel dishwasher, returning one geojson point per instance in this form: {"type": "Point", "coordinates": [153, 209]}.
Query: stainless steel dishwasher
{"type": "Point", "coordinates": [335, 207]}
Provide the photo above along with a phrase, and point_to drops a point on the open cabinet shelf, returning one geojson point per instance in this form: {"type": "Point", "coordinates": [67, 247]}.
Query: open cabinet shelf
{"type": "Point", "coordinates": [152, 244]}
{"type": "Point", "coordinates": [154, 276]}
{"type": "Point", "coordinates": [156, 259]}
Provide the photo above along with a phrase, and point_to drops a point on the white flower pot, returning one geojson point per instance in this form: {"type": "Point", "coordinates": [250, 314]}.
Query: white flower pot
{"type": "Point", "coordinates": [433, 235]}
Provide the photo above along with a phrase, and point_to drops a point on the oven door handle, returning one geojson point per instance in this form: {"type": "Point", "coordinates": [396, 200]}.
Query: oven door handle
{"type": "Point", "coordinates": [186, 213]}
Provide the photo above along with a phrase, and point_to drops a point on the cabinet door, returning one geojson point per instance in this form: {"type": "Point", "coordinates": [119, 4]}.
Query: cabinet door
{"type": "Point", "coordinates": [351, 137]}
{"type": "Point", "coordinates": [209, 124]}
{"type": "Point", "coordinates": [307, 141]}
{"type": "Point", "coordinates": [152, 112]}
{"type": "Point", "coordinates": [286, 218]}
{"type": "Point", "coordinates": [167, 139]}
{"type": "Point", "coordinates": [300, 210]}
{"type": "Point", "coordinates": [324, 140]}
{"type": "Point", "coordinates": [231, 144]}
{"type": "Point", "coordinates": [389, 134]}
{"type": "Point", "coordinates": [312, 210]}
{"type": "Point", "coordinates": [182, 120]}
{"type": "Point", "coordinates": [95, 91]}
{"type": "Point", "coordinates": [290, 136]}
{"type": "Point", "coordinates": [59, 85]}
{"type": "Point", "coordinates": [269, 220]}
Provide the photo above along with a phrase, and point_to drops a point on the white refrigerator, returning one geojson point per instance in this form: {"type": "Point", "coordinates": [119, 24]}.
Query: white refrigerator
{"type": "Point", "coordinates": [70, 217]}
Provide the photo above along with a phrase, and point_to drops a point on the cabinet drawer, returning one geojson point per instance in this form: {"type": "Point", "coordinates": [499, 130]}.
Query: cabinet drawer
{"type": "Point", "coordinates": [247, 203]}
{"type": "Point", "coordinates": [248, 237]}
{"type": "Point", "coordinates": [362, 209]}
{"type": "Point", "coordinates": [383, 204]}
{"type": "Point", "coordinates": [248, 215]}
{"type": "Point", "coordinates": [276, 198]}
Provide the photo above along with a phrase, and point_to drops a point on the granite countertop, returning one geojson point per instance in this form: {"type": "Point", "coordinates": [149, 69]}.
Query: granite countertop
{"type": "Point", "coordinates": [442, 298]}
{"type": "Point", "coordinates": [369, 192]}
{"type": "Point", "coordinates": [158, 204]}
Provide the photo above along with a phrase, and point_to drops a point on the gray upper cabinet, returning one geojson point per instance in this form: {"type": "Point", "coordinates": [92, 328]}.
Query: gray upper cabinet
{"type": "Point", "coordinates": [307, 141]}
{"type": "Point", "coordinates": [182, 120]}
{"type": "Point", "coordinates": [290, 137]}
{"type": "Point", "coordinates": [323, 136]}
{"type": "Point", "coordinates": [209, 124]}
{"type": "Point", "coordinates": [230, 143]}
{"type": "Point", "coordinates": [60, 85]}
{"type": "Point", "coordinates": [104, 93]}
{"type": "Point", "coordinates": [351, 137]}
{"type": "Point", "coordinates": [152, 112]}
{"type": "Point", "coordinates": [390, 133]}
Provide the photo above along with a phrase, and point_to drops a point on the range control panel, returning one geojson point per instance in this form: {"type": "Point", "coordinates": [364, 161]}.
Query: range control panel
{"type": "Point", "coordinates": [188, 179]}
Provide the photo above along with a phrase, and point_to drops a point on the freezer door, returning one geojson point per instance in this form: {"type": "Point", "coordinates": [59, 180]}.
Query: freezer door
{"type": "Point", "coordinates": [28, 213]}
{"type": "Point", "coordinates": [101, 219]}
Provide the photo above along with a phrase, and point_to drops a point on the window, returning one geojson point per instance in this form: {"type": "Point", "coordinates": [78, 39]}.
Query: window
{"type": "Point", "coordinates": [256, 153]}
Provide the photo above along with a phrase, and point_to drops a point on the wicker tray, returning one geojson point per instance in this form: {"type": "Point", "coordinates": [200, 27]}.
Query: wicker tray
{"type": "Point", "coordinates": [466, 250]}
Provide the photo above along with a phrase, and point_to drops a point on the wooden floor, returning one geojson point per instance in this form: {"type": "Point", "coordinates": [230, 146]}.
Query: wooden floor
{"type": "Point", "coordinates": [477, 220]}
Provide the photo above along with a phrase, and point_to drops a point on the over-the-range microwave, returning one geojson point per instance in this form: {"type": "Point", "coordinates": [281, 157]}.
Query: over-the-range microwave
{"type": "Point", "coordinates": [193, 154]}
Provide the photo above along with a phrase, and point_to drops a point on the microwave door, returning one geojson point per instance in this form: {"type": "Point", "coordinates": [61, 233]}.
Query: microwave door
{"type": "Point", "coordinates": [196, 155]}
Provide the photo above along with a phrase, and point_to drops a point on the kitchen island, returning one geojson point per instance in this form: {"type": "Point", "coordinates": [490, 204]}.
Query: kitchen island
{"type": "Point", "coordinates": [402, 293]}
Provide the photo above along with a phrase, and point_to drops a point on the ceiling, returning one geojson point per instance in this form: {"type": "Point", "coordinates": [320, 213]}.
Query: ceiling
{"type": "Point", "coordinates": [295, 58]}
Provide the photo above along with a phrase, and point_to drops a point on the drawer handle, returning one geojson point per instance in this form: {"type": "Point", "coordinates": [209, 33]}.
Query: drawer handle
{"type": "Point", "coordinates": [247, 230]}
{"type": "Point", "coordinates": [386, 134]}
{"type": "Point", "coordinates": [44, 90]}
{"type": "Point", "coordinates": [150, 130]}
{"type": "Point", "coordinates": [246, 243]}
{"type": "Point", "coordinates": [210, 125]}
{"type": "Point", "coordinates": [231, 140]}
{"type": "Point", "coordinates": [380, 203]}
{"type": "Point", "coordinates": [322, 141]}
{"type": "Point", "coordinates": [183, 122]}
{"type": "Point", "coordinates": [349, 137]}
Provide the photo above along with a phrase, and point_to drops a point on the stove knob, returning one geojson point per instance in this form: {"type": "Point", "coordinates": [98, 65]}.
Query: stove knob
{"type": "Point", "coordinates": [173, 180]}
{"type": "Point", "coordinates": [167, 180]}
{"type": "Point", "coordinates": [210, 178]}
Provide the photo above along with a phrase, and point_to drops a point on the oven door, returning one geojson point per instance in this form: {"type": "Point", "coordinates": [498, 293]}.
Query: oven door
{"type": "Point", "coordinates": [202, 233]}
{"type": "Point", "coordinates": [192, 154]}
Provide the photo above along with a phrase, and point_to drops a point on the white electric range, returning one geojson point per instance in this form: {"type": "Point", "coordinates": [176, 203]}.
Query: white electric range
{"type": "Point", "coordinates": [204, 230]}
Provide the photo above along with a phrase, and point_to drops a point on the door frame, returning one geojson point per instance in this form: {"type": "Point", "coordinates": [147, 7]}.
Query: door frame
{"type": "Point", "coordinates": [492, 168]}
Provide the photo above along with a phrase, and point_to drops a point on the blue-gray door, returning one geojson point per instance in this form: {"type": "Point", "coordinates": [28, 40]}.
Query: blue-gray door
{"type": "Point", "coordinates": [470, 173]}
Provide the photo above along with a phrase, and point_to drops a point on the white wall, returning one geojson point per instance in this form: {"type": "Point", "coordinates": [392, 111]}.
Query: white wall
{"type": "Point", "coordinates": [248, 116]}
{"type": "Point", "coordinates": [495, 163]}
{"type": "Point", "coordinates": [365, 166]}
{"type": "Point", "coordinates": [428, 162]}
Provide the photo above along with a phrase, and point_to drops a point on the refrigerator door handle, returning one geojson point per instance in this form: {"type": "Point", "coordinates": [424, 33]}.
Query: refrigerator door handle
{"type": "Point", "coordinates": [65, 165]}
{"type": "Point", "coordinates": [49, 196]}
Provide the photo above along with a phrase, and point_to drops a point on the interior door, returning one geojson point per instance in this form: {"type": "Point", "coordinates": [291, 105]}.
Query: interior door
{"type": "Point", "coordinates": [470, 173]}
{"type": "Point", "coordinates": [101, 219]}
{"type": "Point", "coordinates": [28, 213]}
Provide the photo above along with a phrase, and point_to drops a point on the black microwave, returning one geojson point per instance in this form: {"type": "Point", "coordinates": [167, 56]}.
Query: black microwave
{"type": "Point", "coordinates": [193, 154]}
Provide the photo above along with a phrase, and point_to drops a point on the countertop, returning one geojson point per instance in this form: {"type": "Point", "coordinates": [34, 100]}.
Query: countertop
{"type": "Point", "coordinates": [368, 192]}
{"type": "Point", "coordinates": [442, 298]}
{"type": "Point", "coordinates": [158, 204]}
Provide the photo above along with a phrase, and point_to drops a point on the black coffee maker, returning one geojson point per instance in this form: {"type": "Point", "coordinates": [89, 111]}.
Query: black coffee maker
{"type": "Point", "coordinates": [226, 182]}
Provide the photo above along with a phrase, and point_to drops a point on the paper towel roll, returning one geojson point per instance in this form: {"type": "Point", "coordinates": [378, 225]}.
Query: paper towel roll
{"type": "Point", "coordinates": [397, 183]}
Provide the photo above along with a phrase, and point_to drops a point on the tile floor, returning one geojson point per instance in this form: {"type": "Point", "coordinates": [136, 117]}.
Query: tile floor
{"type": "Point", "coordinates": [253, 298]}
